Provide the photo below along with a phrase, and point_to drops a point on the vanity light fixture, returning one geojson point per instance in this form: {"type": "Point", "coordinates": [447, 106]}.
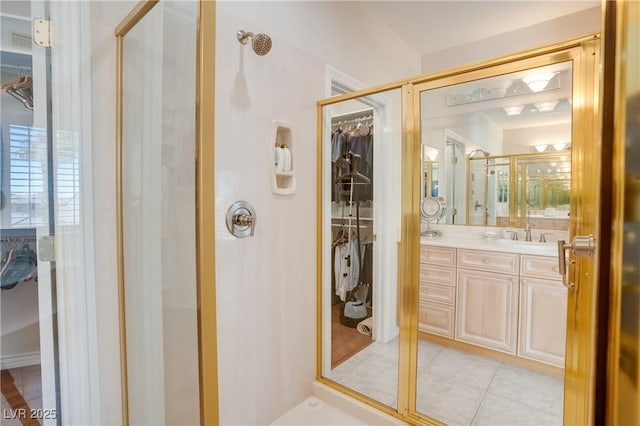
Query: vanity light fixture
{"type": "Point", "coordinates": [529, 84]}
{"type": "Point", "coordinates": [540, 148]}
{"type": "Point", "coordinates": [561, 146]}
{"type": "Point", "coordinates": [546, 106]}
{"type": "Point", "coordinates": [513, 110]}
{"type": "Point", "coordinates": [517, 87]}
{"type": "Point", "coordinates": [538, 82]}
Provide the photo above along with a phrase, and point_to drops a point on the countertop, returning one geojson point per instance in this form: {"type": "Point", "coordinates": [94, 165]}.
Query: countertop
{"type": "Point", "coordinates": [492, 239]}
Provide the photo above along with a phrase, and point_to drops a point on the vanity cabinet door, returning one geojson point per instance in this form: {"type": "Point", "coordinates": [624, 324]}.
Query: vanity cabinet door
{"type": "Point", "coordinates": [487, 309]}
{"type": "Point", "coordinates": [543, 319]}
{"type": "Point", "coordinates": [436, 318]}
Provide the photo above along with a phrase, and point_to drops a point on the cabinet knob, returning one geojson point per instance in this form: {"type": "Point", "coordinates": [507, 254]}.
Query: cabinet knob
{"type": "Point", "coordinates": [485, 261]}
{"type": "Point", "coordinates": [555, 268]}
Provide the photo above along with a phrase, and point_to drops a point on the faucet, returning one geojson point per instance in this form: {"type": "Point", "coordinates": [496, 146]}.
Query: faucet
{"type": "Point", "coordinates": [527, 231]}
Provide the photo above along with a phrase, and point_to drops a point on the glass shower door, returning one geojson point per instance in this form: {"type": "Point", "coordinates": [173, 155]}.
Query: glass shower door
{"type": "Point", "coordinates": [28, 301]}
{"type": "Point", "coordinates": [157, 253]}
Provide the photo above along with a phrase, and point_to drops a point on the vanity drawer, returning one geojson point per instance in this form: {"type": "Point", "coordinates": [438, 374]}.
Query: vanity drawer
{"type": "Point", "coordinates": [438, 255]}
{"type": "Point", "coordinates": [437, 274]}
{"type": "Point", "coordinates": [489, 261]}
{"type": "Point", "coordinates": [437, 319]}
{"type": "Point", "coordinates": [540, 266]}
{"type": "Point", "coordinates": [437, 293]}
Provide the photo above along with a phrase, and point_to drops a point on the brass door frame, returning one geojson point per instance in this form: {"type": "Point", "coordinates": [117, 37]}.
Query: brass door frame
{"type": "Point", "coordinates": [205, 205]}
{"type": "Point", "coordinates": [584, 52]}
{"type": "Point", "coordinates": [621, 115]}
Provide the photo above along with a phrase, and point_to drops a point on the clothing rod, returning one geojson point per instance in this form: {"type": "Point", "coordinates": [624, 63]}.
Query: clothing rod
{"type": "Point", "coordinates": [341, 225]}
{"type": "Point", "coordinates": [17, 67]}
{"type": "Point", "coordinates": [354, 120]}
{"type": "Point", "coordinates": [353, 115]}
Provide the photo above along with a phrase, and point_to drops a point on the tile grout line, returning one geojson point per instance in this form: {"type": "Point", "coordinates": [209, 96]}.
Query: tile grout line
{"type": "Point", "coordinates": [484, 394]}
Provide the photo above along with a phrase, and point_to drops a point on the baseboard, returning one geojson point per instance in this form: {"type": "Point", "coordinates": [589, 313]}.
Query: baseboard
{"type": "Point", "coordinates": [20, 360]}
{"type": "Point", "coordinates": [353, 407]}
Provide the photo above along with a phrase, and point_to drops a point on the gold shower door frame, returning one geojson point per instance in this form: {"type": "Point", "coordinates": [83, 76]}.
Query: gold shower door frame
{"type": "Point", "coordinates": [580, 365]}
{"type": "Point", "coordinates": [205, 205]}
{"type": "Point", "coordinates": [582, 306]}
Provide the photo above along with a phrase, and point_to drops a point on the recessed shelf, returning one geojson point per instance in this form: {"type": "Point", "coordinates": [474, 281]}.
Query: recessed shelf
{"type": "Point", "coordinates": [283, 181]}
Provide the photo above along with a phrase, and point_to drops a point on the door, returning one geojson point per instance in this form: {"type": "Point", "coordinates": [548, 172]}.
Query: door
{"type": "Point", "coordinates": [540, 111]}
{"type": "Point", "coordinates": [622, 123]}
{"type": "Point", "coordinates": [165, 213]}
{"type": "Point", "coordinates": [30, 357]}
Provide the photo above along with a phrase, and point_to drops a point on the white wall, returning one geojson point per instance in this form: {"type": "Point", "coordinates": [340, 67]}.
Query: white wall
{"type": "Point", "coordinates": [564, 28]}
{"type": "Point", "coordinates": [266, 285]}
{"type": "Point", "coordinates": [517, 141]}
{"type": "Point", "coordinates": [20, 341]}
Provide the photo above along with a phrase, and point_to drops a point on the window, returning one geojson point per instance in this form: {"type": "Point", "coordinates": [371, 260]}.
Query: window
{"type": "Point", "coordinates": [27, 178]}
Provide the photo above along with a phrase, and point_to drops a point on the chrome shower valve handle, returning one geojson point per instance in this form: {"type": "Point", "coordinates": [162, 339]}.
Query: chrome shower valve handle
{"type": "Point", "coordinates": [241, 219]}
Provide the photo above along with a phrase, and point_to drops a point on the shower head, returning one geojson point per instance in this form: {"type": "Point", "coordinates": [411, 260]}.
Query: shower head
{"type": "Point", "coordinates": [261, 43]}
{"type": "Point", "coordinates": [478, 153]}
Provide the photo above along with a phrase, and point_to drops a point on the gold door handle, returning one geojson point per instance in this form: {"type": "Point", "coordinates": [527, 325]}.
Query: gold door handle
{"type": "Point", "coordinates": [581, 246]}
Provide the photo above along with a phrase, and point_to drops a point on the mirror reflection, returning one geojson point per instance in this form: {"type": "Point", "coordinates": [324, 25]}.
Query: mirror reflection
{"type": "Point", "coordinates": [491, 305]}
{"type": "Point", "coordinates": [502, 146]}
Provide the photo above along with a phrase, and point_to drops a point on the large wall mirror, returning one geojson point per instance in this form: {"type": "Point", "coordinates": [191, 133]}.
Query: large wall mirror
{"type": "Point", "coordinates": [498, 149]}
{"type": "Point", "coordinates": [492, 311]}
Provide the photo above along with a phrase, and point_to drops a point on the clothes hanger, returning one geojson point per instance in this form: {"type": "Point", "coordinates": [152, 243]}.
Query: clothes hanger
{"type": "Point", "coordinates": [342, 238]}
{"type": "Point", "coordinates": [351, 174]}
{"type": "Point", "coordinates": [20, 89]}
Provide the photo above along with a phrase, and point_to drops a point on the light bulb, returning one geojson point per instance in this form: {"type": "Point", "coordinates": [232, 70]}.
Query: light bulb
{"type": "Point", "coordinates": [513, 109]}
{"type": "Point", "coordinates": [537, 82]}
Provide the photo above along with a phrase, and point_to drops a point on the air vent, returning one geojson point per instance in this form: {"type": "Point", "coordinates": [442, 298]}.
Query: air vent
{"type": "Point", "coordinates": [22, 41]}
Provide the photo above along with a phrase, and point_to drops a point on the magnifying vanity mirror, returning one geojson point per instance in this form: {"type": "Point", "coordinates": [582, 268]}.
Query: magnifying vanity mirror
{"type": "Point", "coordinates": [432, 209]}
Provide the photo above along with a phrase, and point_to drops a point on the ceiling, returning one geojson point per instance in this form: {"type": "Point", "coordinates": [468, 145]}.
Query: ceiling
{"type": "Point", "coordinates": [430, 26]}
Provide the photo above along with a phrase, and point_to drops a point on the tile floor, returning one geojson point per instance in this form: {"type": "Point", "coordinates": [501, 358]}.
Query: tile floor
{"type": "Point", "coordinates": [28, 382]}
{"type": "Point", "coordinates": [458, 388]}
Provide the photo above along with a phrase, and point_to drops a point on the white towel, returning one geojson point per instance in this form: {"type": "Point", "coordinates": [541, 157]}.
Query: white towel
{"type": "Point", "coordinates": [365, 326]}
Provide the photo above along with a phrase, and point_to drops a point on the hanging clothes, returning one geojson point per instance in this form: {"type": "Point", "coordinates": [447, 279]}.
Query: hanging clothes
{"type": "Point", "coordinates": [361, 151]}
{"type": "Point", "coordinates": [352, 155]}
{"type": "Point", "coordinates": [346, 268]}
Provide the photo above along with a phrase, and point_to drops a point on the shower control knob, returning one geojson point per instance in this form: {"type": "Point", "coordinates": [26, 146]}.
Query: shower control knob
{"type": "Point", "coordinates": [241, 219]}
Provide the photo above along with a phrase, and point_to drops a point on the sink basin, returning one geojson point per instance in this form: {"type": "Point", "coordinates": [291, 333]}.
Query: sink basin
{"type": "Point", "coordinates": [534, 247]}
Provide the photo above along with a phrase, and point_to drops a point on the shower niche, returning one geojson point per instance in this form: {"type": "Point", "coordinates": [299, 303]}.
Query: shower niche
{"type": "Point", "coordinates": [283, 177]}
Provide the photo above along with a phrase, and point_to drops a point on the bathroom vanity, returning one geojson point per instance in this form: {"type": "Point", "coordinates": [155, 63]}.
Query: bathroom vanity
{"type": "Point", "coordinates": [498, 294]}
